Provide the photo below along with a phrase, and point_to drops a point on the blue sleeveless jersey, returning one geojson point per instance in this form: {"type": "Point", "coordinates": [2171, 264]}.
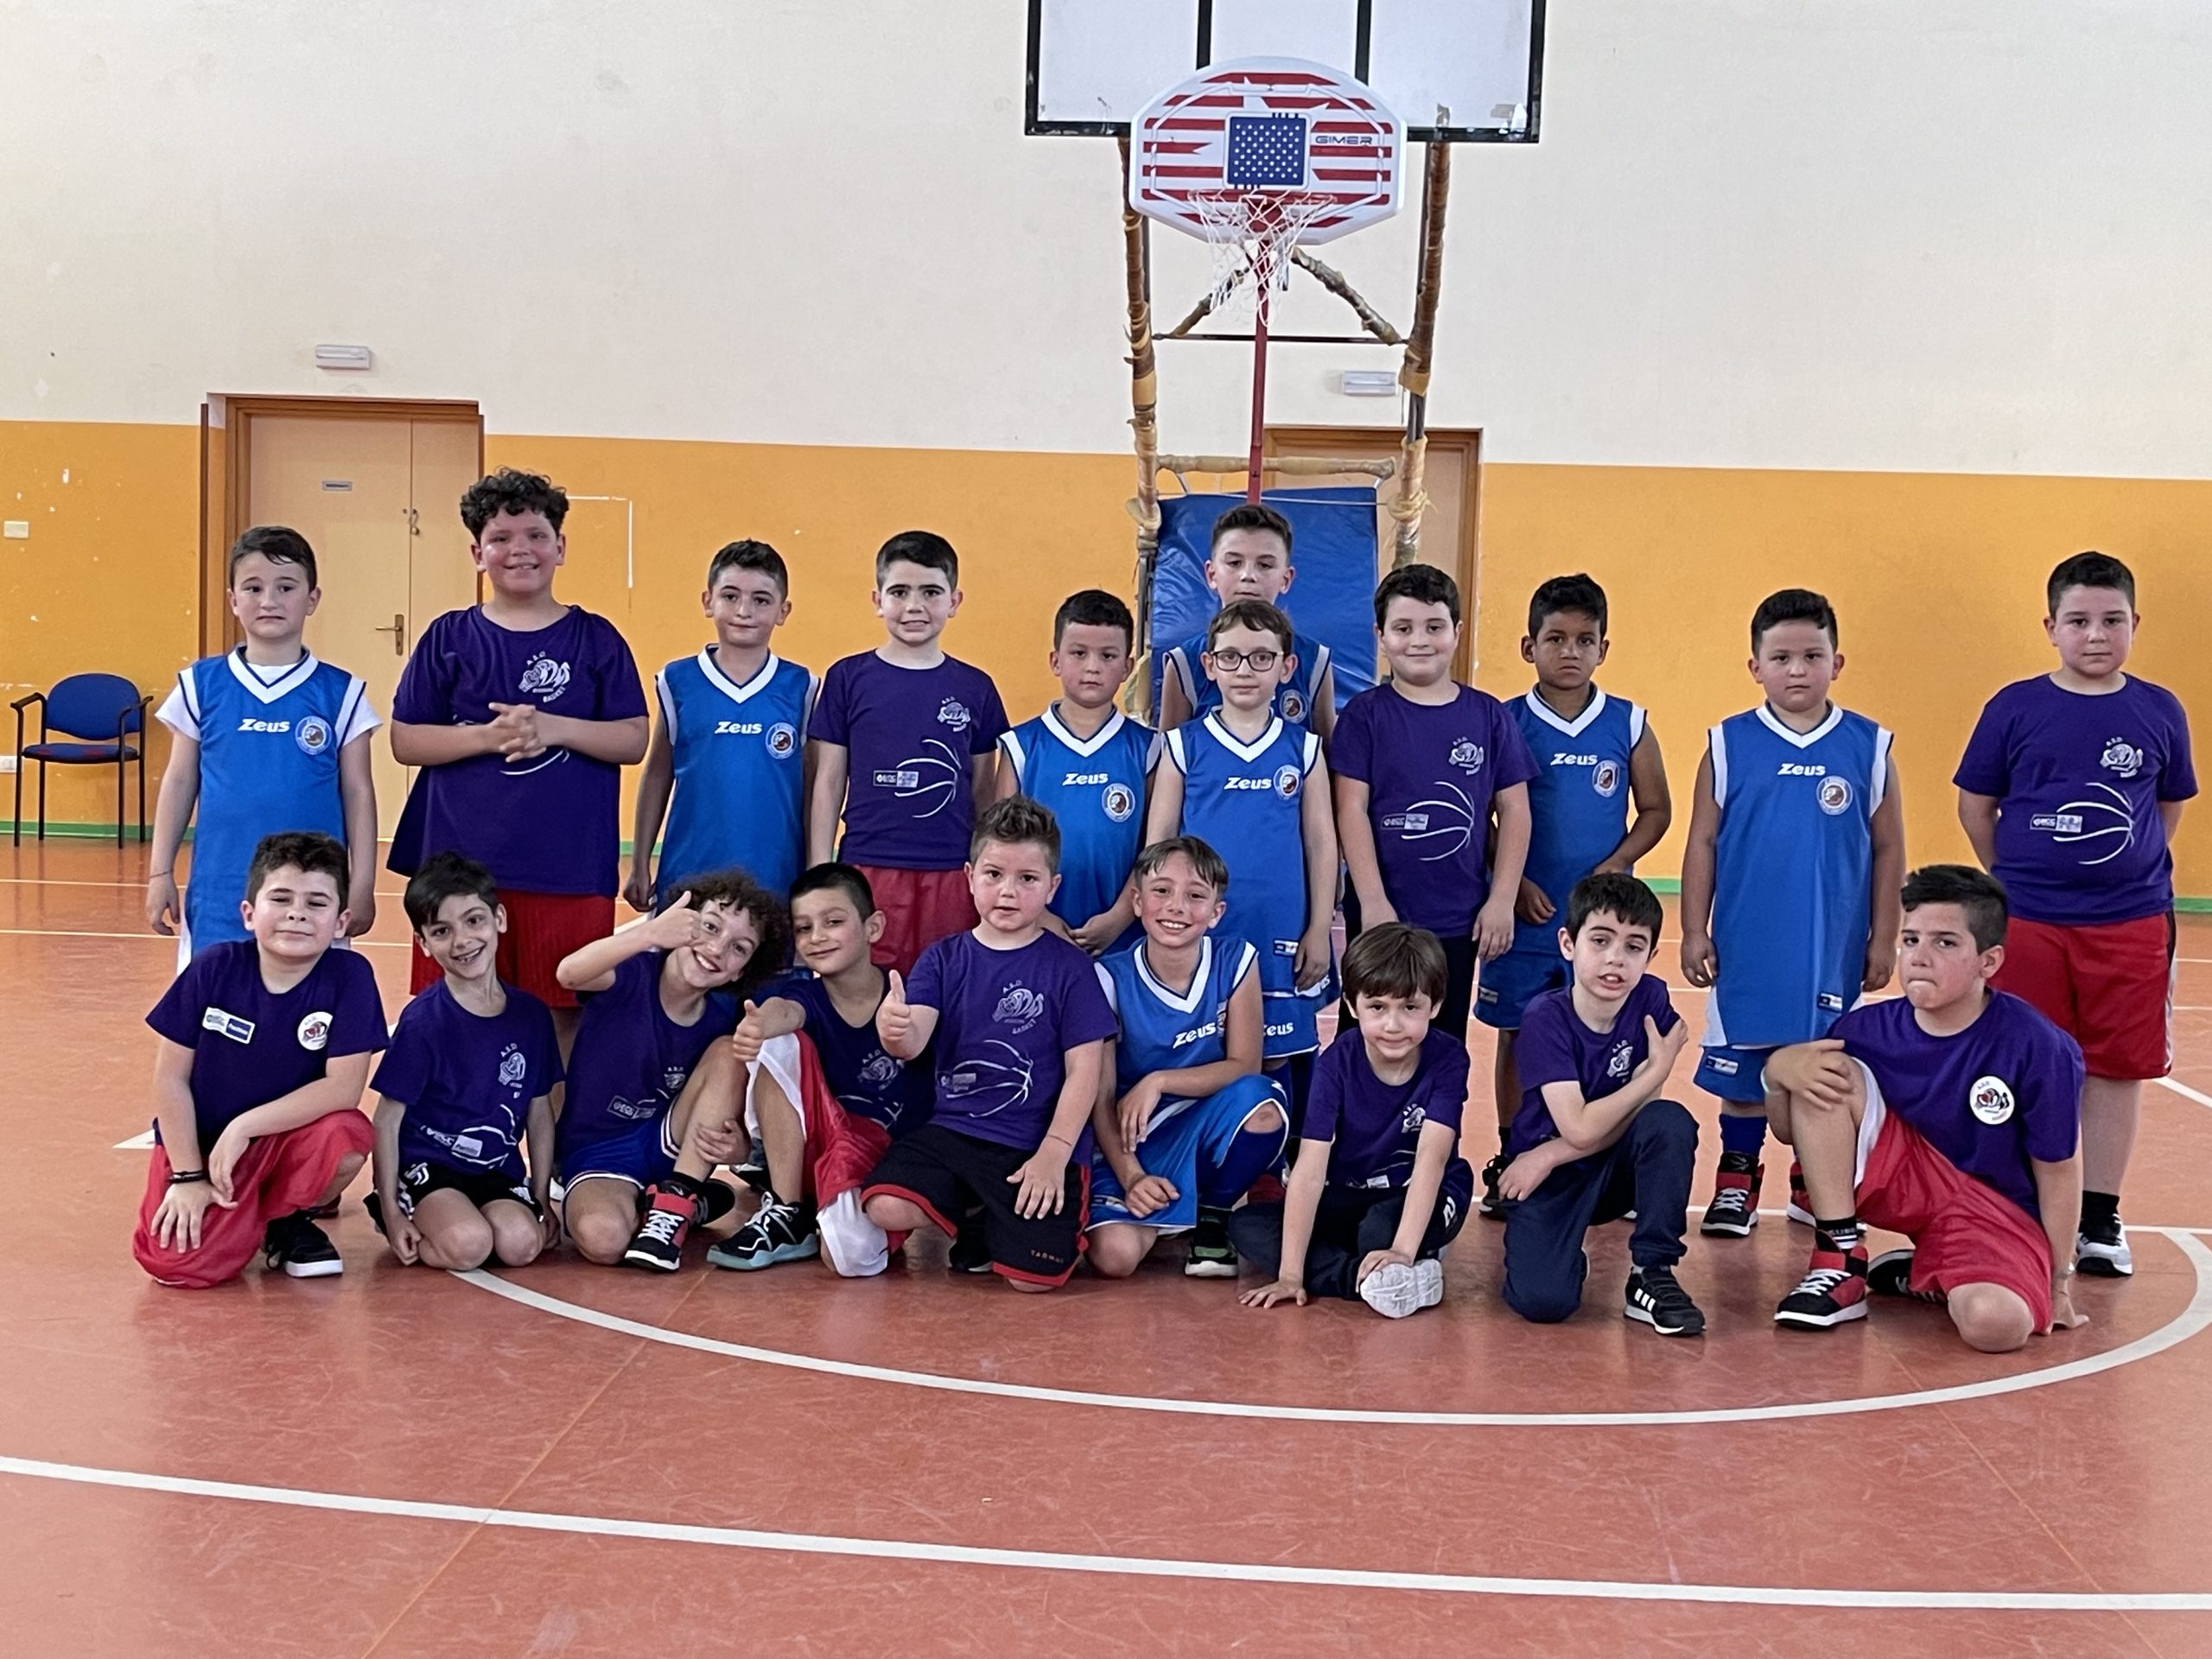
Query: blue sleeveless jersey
{"type": "Point", "coordinates": [1243, 800]}
{"type": "Point", "coordinates": [1096, 791]}
{"type": "Point", "coordinates": [739, 771]}
{"type": "Point", "coordinates": [1578, 801]}
{"type": "Point", "coordinates": [1294, 698]}
{"type": "Point", "coordinates": [268, 753]}
{"type": "Point", "coordinates": [1162, 1031]}
{"type": "Point", "coordinates": [1793, 874]}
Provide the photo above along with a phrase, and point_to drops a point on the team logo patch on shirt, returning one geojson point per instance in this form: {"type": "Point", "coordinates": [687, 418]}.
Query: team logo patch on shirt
{"type": "Point", "coordinates": [1293, 706]}
{"type": "Point", "coordinates": [544, 677]}
{"type": "Point", "coordinates": [1991, 1100]}
{"type": "Point", "coordinates": [782, 739]}
{"type": "Point", "coordinates": [227, 1024]}
{"type": "Point", "coordinates": [1606, 778]}
{"type": "Point", "coordinates": [1018, 1007]}
{"type": "Point", "coordinates": [1414, 1117]}
{"type": "Point", "coordinates": [1835, 796]}
{"type": "Point", "coordinates": [2121, 757]}
{"type": "Point", "coordinates": [1620, 1061]}
{"type": "Point", "coordinates": [1119, 800]}
{"type": "Point", "coordinates": [878, 1068]}
{"type": "Point", "coordinates": [1468, 755]}
{"type": "Point", "coordinates": [312, 734]}
{"type": "Point", "coordinates": [512, 1068]}
{"type": "Point", "coordinates": [1286, 782]}
{"type": "Point", "coordinates": [954, 713]}
{"type": "Point", "coordinates": [315, 1031]}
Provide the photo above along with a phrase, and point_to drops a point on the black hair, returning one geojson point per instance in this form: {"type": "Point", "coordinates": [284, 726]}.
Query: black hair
{"type": "Point", "coordinates": [1094, 608]}
{"type": "Point", "coordinates": [1254, 614]}
{"type": "Point", "coordinates": [511, 492]}
{"type": "Point", "coordinates": [444, 876]}
{"type": "Point", "coordinates": [837, 878]}
{"type": "Point", "coordinates": [1795, 604]}
{"type": "Point", "coordinates": [1980, 894]}
{"type": "Point", "coordinates": [923, 547]}
{"type": "Point", "coordinates": [1615, 894]}
{"type": "Point", "coordinates": [1562, 593]}
{"type": "Point", "coordinates": [1017, 821]}
{"type": "Point", "coordinates": [1205, 863]}
{"type": "Point", "coordinates": [308, 851]}
{"type": "Point", "coordinates": [750, 556]}
{"type": "Point", "coordinates": [277, 544]}
{"type": "Point", "coordinates": [1394, 960]}
{"type": "Point", "coordinates": [1250, 515]}
{"type": "Point", "coordinates": [2090, 569]}
{"type": "Point", "coordinates": [1423, 583]}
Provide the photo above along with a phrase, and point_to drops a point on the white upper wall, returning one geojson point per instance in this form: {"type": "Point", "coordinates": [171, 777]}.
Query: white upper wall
{"type": "Point", "coordinates": [1928, 235]}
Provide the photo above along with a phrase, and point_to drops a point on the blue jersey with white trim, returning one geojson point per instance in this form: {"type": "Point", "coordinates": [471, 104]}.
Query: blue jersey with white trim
{"type": "Point", "coordinates": [1096, 788]}
{"type": "Point", "coordinates": [1294, 698]}
{"type": "Point", "coordinates": [1244, 799]}
{"type": "Point", "coordinates": [269, 743]}
{"type": "Point", "coordinates": [739, 771]}
{"type": "Point", "coordinates": [1793, 876]}
{"type": "Point", "coordinates": [1163, 1030]}
{"type": "Point", "coordinates": [1578, 800]}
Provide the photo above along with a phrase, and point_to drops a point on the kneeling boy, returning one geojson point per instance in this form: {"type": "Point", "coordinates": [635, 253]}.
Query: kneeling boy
{"type": "Point", "coordinates": [654, 1002]}
{"type": "Point", "coordinates": [1021, 1028]}
{"type": "Point", "coordinates": [1379, 1188]}
{"type": "Point", "coordinates": [1955, 1113]}
{"type": "Point", "coordinates": [1592, 1142]}
{"type": "Point", "coordinates": [1186, 1121]}
{"type": "Point", "coordinates": [264, 1051]}
{"type": "Point", "coordinates": [470, 1073]}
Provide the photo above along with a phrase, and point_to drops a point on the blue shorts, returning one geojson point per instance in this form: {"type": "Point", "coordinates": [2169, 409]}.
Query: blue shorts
{"type": "Point", "coordinates": [1186, 1148]}
{"type": "Point", "coordinates": [1733, 1073]}
{"type": "Point", "coordinates": [641, 1155]}
{"type": "Point", "coordinates": [1510, 984]}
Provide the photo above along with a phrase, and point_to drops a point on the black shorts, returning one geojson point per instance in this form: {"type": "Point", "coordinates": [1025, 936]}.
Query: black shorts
{"type": "Point", "coordinates": [948, 1174]}
{"type": "Point", "coordinates": [479, 1186]}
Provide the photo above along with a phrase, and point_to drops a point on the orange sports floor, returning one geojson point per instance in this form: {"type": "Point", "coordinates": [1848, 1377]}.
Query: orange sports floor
{"type": "Point", "coordinates": [575, 1460]}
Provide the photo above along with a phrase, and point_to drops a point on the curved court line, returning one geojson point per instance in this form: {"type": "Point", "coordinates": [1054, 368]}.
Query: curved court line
{"type": "Point", "coordinates": [809, 1543]}
{"type": "Point", "coordinates": [2191, 1320]}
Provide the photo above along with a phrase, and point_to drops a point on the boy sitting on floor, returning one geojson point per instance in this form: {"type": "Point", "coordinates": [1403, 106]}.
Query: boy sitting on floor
{"type": "Point", "coordinates": [1955, 1113]}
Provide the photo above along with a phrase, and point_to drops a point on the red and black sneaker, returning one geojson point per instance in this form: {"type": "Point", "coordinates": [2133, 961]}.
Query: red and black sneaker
{"type": "Point", "coordinates": [1801, 1207]}
{"type": "Point", "coordinates": [668, 1223]}
{"type": "Point", "coordinates": [1735, 1207]}
{"type": "Point", "coordinates": [1832, 1291]}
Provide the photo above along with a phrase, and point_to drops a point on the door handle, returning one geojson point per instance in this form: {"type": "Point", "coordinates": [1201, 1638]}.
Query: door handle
{"type": "Point", "coordinates": [398, 630]}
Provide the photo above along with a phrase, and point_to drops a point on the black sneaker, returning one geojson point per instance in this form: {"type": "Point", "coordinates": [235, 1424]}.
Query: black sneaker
{"type": "Point", "coordinates": [374, 1206]}
{"type": "Point", "coordinates": [303, 1249]}
{"type": "Point", "coordinates": [668, 1222]}
{"type": "Point", "coordinates": [1211, 1256]}
{"type": "Point", "coordinates": [971, 1251]}
{"type": "Point", "coordinates": [2101, 1249]}
{"type": "Point", "coordinates": [1890, 1273]}
{"type": "Point", "coordinates": [1831, 1292]}
{"type": "Point", "coordinates": [779, 1232]}
{"type": "Point", "coordinates": [1492, 1204]}
{"type": "Point", "coordinates": [1656, 1298]}
{"type": "Point", "coordinates": [1735, 1207]}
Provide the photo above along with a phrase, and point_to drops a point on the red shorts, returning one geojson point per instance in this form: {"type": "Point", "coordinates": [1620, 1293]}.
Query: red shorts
{"type": "Point", "coordinates": [1963, 1231]}
{"type": "Point", "coordinates": [541, 928]}
{"type": "Point", "coordinates": [279, 1174]}
{"type": "Point", "coordinates": [920, 907]}
{"type": "Point", "coordinates": [2110, 986]}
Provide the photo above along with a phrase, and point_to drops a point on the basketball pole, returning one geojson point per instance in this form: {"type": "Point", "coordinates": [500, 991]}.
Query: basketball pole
{"type": "Point", "coordinates": [1259, 385]}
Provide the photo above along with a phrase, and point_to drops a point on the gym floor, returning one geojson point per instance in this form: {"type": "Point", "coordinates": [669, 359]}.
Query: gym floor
{"type": "Point", "coordinates": [579, 1460]}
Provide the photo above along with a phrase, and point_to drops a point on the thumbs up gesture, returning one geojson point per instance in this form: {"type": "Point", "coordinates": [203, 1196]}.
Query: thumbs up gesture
{"type": "Point", "coordinates": [894, 1019]}
{"type": "Point", "coordinates": [751, 1031]}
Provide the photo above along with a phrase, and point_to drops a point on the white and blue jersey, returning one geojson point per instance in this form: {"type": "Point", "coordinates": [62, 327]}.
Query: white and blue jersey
{"type": "Point", "coordinates": [1245, 800]}
{"type": "Point", "coordinates": [1167, 1031]}
{"type": "Point", "coordinates": [1294, 698]}
{"type": "Point", "coordinates": [1096, 788]}
{"type": "Point", "coordinates": [269, 740]}
{"type": "Point", "coordinates": [1793, 883]}
{"type": "Point", "coordinates": [739, 771]}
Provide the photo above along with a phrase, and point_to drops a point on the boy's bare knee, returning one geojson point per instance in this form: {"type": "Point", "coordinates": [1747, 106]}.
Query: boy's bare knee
{"type": "Point", "coordinates": [460, 1248]}
{"type": "Point", "coordinates": [1991, 1319]}
{"type": "Point", "coordinates": [348, 1167]}
{"type": "Point", "coordinates": [517, 1243]}
{"type": "Point", "coordinates": [601, 1237]}
{"type": "Point", "coordinates": [1265, 1121]}
{"type": "Point", "coordinates": [1115, 1252]}
{"type": "Point", "coordinates": [1027, 1288]}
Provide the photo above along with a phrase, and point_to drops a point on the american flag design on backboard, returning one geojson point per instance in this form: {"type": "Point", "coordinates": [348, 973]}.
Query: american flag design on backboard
{"type": "Point", "coordinates": [1270, 124]}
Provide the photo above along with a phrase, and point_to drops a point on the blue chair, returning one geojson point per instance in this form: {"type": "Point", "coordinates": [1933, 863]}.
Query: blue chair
{"type": "Point", "coordinates": [105, 711]}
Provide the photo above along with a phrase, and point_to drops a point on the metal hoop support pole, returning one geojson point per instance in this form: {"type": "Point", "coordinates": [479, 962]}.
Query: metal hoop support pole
{"type": "Point", "coordinates": [1259, 387]}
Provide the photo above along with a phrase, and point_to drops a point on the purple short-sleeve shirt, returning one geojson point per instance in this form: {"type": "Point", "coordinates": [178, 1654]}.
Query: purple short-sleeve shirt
{"type": "Point", "coordinates": [911, 736]}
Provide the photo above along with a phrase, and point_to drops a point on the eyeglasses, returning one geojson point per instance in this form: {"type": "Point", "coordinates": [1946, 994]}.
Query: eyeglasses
{"type": "Point", "coordinates": [1258, 661]}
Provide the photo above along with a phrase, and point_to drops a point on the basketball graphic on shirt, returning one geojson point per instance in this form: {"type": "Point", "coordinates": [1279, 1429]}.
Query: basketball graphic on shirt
{"type": "Point", "coordinates": [1293, 706]}
{"type": "Point", "coordinates": [545, 678]}
{"type": "Point", "coordinates": [1119, 801]}
{"type": "Point", "coordinates": [1445, 823]}
{"type": "Point", "coordinates": [783, 740]}
{"type": "Point", "coordinates": [2121, 757]}
{"type": "Point", "coordinates": [1991, 1100]}
{"type": "Point", "coordinates": [1286, 782]}
{"type": "Point", "coordinates": [974, 1079]}
{"type": "Point", "coordinates": [918, 777]}
{"type": "Point", "coordinates": [312, 734]}
{"type": "Point", "coordinates": [1835, 796]}
{"type": "Point", "coordinates": [2102, 823]}
{"type": "Point", "coordinates": [1606, 778]}
{"type": "Point", "coordinates": [315, 1031]}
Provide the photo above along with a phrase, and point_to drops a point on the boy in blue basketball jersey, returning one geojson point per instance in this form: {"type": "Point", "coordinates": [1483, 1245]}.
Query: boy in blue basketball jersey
{"type": "Point", "coordinates": [1594, 754]}
{"type": "Point", "coordinates": [1250, 559]}
{"type": "Point", "coordinates": [265, 739]}
{"type": "Point", "coordinates": [731, 742]}
{"type": "Point", "coordinates": [1789, 881]}
{"type": "Point", "coordinates": [1248, 782]}
{"type": "Point", "coordinates": [1090, 763]}
{"type": "Point", "coordinates": [1186, 1122]}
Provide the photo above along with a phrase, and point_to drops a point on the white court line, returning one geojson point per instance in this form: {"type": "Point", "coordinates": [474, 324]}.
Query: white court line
{"type": "Point", "coordinates": [2191, 1320]}
{"type": "Point", "coordinates": [808, 1543]}
{"type": "Point", "coordinates": [143, 1142]}
{"type": "Point", "coordinates": [2185, 1090]}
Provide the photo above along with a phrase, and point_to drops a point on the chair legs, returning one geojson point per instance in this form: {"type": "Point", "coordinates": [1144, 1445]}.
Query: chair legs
{"type": "Point", "coordinates": [142, 789]}
{"type": "Point", "coordinates": [41, 800]}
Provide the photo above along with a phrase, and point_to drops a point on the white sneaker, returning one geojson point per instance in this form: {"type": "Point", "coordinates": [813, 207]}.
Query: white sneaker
{"type": "Point", "coordinates": [1394, 1292]}
{"type": "Point", "coordinates": [2104, 1254]}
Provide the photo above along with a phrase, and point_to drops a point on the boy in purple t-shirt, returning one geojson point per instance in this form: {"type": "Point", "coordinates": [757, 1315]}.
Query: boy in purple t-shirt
{"type": "Point", "coordinates": [2070, 790]}
{"type": "Point", "coordinates": [1021, 1027]}
{"type": "Point", "coordinates": [1953, 1114]}
{"type": "Point", "coordinates": [905, 742]}
{"type": "Point", "coordinates": [1594, 1141]}
{"type": "Point", "coordinates": [1379, 1188]}
{"type": "Point", "coordinates": [521, 713]}
{"type": "Point", "coordinates": [264, 1051]}
{"type": "Point", "coordinates": [1422, 766]}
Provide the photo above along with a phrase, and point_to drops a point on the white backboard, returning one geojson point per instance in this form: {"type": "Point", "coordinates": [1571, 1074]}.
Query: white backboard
{"type": "Point", "coordinates": [1093, 64]}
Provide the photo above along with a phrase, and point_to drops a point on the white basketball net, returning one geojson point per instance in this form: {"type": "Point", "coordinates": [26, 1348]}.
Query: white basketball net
{"type": "Point", "coordinates": [1251, 235]}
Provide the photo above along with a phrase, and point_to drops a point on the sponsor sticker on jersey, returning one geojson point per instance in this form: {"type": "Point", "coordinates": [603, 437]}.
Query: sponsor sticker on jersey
{"type": "Point", "coordinates": [227, 1024]}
